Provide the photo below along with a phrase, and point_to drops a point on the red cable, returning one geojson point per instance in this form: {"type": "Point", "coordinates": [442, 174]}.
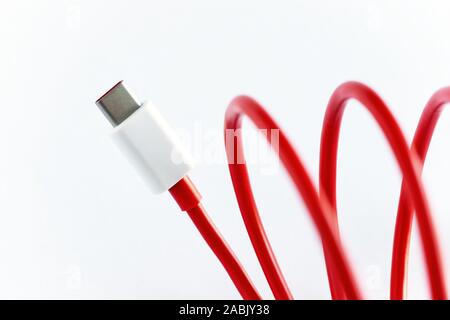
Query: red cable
{"type": "Point", "coordinates": [323, 208]}
{"type": "Point", "coordinates": [318, 208]}
{"type": "Point", "coordinates": [188, 198]}
{"type": "Point", "coordinates": [405, 159]}
{"type": "Point", "coordinates": [403, 225]}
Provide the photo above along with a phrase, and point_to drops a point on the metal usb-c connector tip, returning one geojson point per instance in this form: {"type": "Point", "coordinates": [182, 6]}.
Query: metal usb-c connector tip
{"type": "Point", "coordinates": [117, 104]}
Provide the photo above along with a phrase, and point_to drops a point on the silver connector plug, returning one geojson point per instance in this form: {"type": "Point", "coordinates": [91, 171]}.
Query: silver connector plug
{"type": "Point", "coordinates": [117, 104]}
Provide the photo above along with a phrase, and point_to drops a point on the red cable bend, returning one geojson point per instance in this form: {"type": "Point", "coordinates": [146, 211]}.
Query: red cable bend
{"type": "Point", "coordinates": [407, 163]}
{"type": "Point", "coordinates": [318, 208]}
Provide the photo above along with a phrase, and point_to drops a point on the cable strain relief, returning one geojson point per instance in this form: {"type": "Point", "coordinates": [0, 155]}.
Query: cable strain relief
{"type": "Point", "coordinates": [185, 194]}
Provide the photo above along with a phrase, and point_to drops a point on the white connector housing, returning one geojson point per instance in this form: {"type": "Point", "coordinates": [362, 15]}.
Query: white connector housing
{"type": "Point", "coordinates": [153, 148]}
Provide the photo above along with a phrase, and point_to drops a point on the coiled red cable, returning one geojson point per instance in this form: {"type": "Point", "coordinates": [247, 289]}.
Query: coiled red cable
{"type": "Point", "coordinates": [412, 191]}
{"type": "Point", "coordinates": [322, 204]}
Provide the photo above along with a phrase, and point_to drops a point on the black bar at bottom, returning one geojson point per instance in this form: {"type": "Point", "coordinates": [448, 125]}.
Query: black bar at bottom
{"type": "Point", "coordinates": [228, 309]}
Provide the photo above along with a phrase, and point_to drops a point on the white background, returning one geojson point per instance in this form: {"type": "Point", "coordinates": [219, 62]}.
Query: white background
{"type": "Point", "coordinates": [76, 221]}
